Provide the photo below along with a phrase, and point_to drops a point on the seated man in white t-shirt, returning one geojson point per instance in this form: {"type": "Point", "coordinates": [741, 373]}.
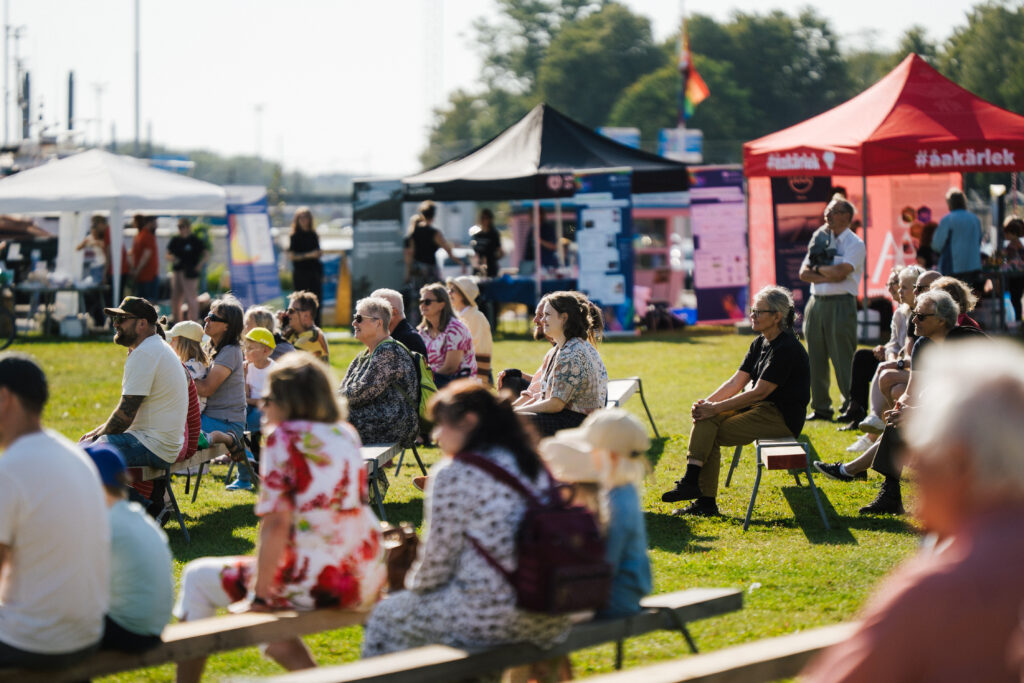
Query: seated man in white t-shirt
{"type": "Point", "coordinates": [148, 425]}
{"type": "Point", "coordinates": [54, 533]}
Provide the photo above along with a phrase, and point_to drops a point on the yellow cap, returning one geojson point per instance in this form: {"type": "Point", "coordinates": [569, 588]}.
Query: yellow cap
{"type": "Point", "coordinates": [262, 335]}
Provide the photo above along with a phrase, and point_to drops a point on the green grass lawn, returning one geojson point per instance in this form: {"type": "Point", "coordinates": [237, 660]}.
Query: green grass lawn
{"type": "Point", "coordinates": [794, 574]}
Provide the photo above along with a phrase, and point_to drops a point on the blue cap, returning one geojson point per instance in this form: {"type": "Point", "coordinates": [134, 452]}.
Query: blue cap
{"type": "Point", "coordinates": [109, 462]}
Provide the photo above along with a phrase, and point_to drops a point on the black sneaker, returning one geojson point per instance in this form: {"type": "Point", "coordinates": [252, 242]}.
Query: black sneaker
{"type": "Point", "coordinates": [833, 470]}
{"type": "Point", "coordinates": [684, 490]}
{"type": "Point", "coordinates": [851, 426]}
{"type": "Point", "coordinates": [825, 415]}
{"type": "Point", "coordinates": [854, 415]}
{"type": "Point", "coordinates": [704, 506]}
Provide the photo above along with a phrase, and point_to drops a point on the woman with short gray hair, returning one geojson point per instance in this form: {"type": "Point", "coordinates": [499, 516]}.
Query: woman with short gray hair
{"type": "Point", "coordinates": [381, 384]}
{"type": "Point", "coordinates": [777, 366]}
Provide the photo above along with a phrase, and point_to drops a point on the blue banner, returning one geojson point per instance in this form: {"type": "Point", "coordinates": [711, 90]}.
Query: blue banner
{"type": "Point", "coordinates": [604, 241]}
{"type": "Point", "coordinates": [251, 256]}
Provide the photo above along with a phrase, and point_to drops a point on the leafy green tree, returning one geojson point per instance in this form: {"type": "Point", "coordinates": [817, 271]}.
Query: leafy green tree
{"type": "Point", "coordinates": [987, 55]}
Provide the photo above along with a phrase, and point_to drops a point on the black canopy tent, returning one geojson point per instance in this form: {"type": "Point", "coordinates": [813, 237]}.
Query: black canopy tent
{"type": "Point", "coordinates": [535, 159]}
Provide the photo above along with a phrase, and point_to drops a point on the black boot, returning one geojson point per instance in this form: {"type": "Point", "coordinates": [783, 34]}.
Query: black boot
{"type": "Point", "coordinates": [889, 500]}
{"type": "Point", "coordinates": [852, 416]}
{"type": "Point", "coordinates": [705, 506]}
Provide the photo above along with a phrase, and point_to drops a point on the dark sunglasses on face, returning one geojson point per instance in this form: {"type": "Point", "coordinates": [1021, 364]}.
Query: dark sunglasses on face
{"type": "Point", "coordinates": [215, 318]}
{"type": "Point", "coordinates": [358, 318]}
{"type": "Point", "coordinates": [118, 319]}
{"type": "Point", "coordinates": [429, 301]}
{"type": "Point", "coordinates": [920, 316]}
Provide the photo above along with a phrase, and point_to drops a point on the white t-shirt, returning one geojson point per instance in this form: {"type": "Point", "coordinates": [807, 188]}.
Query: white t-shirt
{"type": "Point", "coordinates": [256, 380]}
{"type": "Point", "coordinates": [153, 370]}
{"type": "Point", "coordinates": [849, 249]}
{"type": "Point", "coordinates": [53, 515]}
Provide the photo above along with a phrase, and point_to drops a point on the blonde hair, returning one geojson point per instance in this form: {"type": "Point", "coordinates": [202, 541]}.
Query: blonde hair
{"type": "Point", "coordinates": [189, 349]}
{"type": "Point", "coordinates": [301, 387]}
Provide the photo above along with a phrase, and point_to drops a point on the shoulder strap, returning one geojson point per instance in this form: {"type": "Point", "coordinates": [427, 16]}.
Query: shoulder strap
{"type": "Point", "coordinates": [501, 474]}
{"type": "Point", "coordinates": [398, 385]}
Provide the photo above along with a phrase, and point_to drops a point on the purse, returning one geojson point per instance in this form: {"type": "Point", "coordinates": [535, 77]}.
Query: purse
{"type": "Point", "coordinates": [401, 546]}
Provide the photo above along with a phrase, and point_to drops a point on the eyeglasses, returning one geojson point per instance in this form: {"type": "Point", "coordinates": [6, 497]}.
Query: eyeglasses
{"type": "Point", "coordinates": [919, 288]}
{"type": "Point", "coordinates": [215, 318]}
{"type": "Point", "coordinates": [118, 319]}
{"type": "Point", "coordinates": [358, 318]}
{"type": "Point", "coordinates": [759, 311]}
{"type": "Point", "coordinates": [267, 398]}
{"type": "Point", "coordinates": [920, 316]}
{"type": "Point", "coordinates": [427, 302]}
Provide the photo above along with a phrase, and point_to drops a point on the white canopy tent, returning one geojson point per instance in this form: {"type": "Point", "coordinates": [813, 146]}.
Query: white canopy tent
{"type": "Point", "coordinates": [100, 182]}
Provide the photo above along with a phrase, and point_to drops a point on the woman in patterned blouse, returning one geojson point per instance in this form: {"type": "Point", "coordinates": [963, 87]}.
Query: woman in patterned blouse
{"type": "Point", "coordinates": [319, 542]}
{"type": "Point", "coordinates": [575, 382]}
{"type": "Point", "coordinates": [449, 342]}
{"type": "Point", "coordinates": [380, 385]}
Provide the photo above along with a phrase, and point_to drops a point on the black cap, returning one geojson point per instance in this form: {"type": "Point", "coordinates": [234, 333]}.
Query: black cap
{"type": "Point", "coordinates": [135, 307]}
{"type": "Point", "coordinates": [25, 379]}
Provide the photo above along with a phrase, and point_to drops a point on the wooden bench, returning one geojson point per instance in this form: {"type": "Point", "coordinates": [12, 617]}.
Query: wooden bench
{"type": "Point", "coordinates": [771, 659]}
{"type": "Point", "coordinates": [195, 639]}
{"type": "Point", "coordinates": [377, 456]}
{"type": "Point", "coordinates": [621, 390]}
{"type": "Point", "coordinates": [200, 458]}
{"type": "Point", "coordinates": [671, 611]}
{"type": "Point", "coordinates": [778, 454]}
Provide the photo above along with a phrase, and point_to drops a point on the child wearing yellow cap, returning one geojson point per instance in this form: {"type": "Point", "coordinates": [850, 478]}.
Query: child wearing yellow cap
{"type": "Point", "coordinates": [258, 345]}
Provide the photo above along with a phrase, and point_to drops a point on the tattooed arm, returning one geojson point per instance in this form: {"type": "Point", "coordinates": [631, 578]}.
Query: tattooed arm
{"type": "Point", "coordinates": [122, 417]}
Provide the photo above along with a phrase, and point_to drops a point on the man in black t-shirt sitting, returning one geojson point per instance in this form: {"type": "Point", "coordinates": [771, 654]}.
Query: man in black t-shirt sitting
{"type": "Point", "coordinates": [777, 366]}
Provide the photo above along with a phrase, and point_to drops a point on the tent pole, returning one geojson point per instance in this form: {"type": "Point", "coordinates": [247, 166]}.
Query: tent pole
{"type": "Point", "coordinates": [864, 214]}
{"type": "Point", "coordinates": [116, 243]}
{"type": "Point", "coordinates": [558, 234]}
{"type": "Point", "coordinates": [536, 248]}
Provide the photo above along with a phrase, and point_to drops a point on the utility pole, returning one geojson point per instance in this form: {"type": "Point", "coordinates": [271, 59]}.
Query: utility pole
{"type": "Point", "coordinates": [15, 32]}
{"type": "Point", "coordinates": [7, 71]}
{"type": "Point", "coordinates": [98, 88]}
{"type": "Point", "coordinates": [137, 147]}
{"type": "Point", "coordinates": [71, 101]}
{"type": "Point", "coordinates": [257, 109]}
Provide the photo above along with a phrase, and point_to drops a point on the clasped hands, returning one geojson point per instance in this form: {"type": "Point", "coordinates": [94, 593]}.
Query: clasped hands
{"type": "Point", "coordinates": [703, 409]}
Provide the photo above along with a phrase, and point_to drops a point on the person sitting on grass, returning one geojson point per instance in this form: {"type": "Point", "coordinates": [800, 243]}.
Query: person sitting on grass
{"type": "Point", "coordinates": [949, 613]}
{"type": "Point", "coordinates": [301, 330]}
{"type": "Point", "coordinates": [319, 543]}
{"type": "Point", "coordinates": [934, 320]}
{"type": "Point", "coordinates": [575, 382]}
{"type": "Point", "coordinates": [381, 384]}
{"type": "Point", "coordinates": [141, 580]}
{"type": "Point", "coordinates": [777, 365]}
{"type": "Point", "coordinates": [261, 316]}
{"type": "Point", "coordinates": [613, 443]}
{"type": "Point", "coordinates": [54, 531]}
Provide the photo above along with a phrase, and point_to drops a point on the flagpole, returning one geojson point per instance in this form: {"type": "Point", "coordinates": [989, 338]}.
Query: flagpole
{"type": "Point", "coordinates": [683, 49]}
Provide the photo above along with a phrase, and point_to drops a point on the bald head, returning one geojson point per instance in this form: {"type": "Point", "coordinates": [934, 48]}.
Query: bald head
{"type": "Point", "coordinates": [925, 280]}
{"type": "Point", "coordinates": [397, 303]}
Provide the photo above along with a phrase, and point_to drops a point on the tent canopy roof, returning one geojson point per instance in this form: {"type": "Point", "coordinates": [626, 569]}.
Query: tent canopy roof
{"type": "Point", "coordinates": [97, 181]}
{"type": "Point", "coordinates": [914, 120]}
{"type": "Point", "coordinates": [535, 159]}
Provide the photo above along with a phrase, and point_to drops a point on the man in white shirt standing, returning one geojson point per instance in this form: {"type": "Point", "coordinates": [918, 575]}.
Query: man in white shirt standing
{"type": "Point", "coordinates": [830, 317]}
{"type": "Point", "coordinates": [148, 425]}
{"type": "Point", "coordinates": [54, 533]}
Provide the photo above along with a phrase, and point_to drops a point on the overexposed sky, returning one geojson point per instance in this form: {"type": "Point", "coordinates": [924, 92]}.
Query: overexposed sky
{"type": "Point", "coordinates": [324, 85]}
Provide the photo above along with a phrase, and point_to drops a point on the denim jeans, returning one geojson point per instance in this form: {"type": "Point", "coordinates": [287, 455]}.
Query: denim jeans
{"type": "Point", "coordinates": [135, 454]}
{"type": "Point", "coordinates": [211, 424]}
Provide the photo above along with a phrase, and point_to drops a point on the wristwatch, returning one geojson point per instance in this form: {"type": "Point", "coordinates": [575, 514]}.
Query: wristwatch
{"type": "Point", "coordinates": [901, 364]}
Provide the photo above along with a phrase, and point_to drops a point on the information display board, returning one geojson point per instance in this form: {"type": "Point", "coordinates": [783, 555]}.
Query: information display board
{"type": "Point", "coordinates": [718, 220]}
{"type": "Point", "coordinates": [252, 260]}
{"type": "Point", "coordinates": [377, 234]}
{"type": "Point", "coordinates": [604, 239]}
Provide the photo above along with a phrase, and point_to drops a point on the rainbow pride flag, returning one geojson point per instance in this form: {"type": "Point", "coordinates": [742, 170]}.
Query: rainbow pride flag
{"type": "Point", "coordinates": [694, 90]}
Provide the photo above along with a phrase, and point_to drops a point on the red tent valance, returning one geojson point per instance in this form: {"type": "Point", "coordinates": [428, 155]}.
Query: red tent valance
{"type": "Point", "coordinates": [915, 120]}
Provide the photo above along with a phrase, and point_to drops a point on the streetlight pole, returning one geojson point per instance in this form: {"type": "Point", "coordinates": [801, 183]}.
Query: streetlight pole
{"type": "Point", "coordinates": [137, 147]}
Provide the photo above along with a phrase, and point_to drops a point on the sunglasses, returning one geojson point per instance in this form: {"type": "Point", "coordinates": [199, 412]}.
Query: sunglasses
{"type": "Point", "coordinates": [920, 316]}
{"type": "Point", "coordinates": [215, 318]}
{"type": "Point", "coordinates": [427, 302]}
{"type": "Point", "coordinates": [358, 318]}
{"type": "Point", "coordinates": [118, 319]}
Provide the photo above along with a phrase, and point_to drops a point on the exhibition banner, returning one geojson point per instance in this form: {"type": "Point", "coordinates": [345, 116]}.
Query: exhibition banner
{"type": "Point", "coordinates": [604, 240]}
{"type": "Point", "coordinates": [798, 204]}
{"type": "Point", "coordinates": [377, 234]}
{"type": "Point", "coordinates": [251, 257]}
{"type": "Point", "coordinates": [718, 222]}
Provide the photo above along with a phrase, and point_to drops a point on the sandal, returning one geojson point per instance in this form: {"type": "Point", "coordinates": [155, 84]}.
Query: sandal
{"type": "Point", "coordinates": [236, 449]}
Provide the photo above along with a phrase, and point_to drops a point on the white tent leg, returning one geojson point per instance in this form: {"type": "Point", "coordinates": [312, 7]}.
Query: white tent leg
{"type": "Point", "coordinates": [116, 244]}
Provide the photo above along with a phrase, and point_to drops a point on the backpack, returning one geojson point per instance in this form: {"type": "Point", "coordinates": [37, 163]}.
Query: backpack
{"type": "Point", "coordinates": [560, 554]}
{"type": "Point", "coordinates": [425, 378]}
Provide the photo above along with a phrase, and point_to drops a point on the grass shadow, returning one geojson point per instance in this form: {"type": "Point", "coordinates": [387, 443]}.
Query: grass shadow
{"type": "Point", "coordinates": [806, 516]}
{"type": "Point", "coordinates": [657, 450]}
{"type": "Point", "coordinates": [674, 534]}
{"type": "Point", "coordinates": [210, 532]}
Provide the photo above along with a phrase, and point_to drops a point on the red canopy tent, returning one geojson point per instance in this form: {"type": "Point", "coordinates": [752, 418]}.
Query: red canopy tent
{"type": "Point", "coordinates": [914, 121]}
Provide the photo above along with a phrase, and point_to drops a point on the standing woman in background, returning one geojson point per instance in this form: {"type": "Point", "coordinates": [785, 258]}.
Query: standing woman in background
{"type": "Point", "coordinates": [304, 250]}
{"type": "Point", "coordinates": [422, 241]}
{"type": "Point", "coordinates": [486, 243]}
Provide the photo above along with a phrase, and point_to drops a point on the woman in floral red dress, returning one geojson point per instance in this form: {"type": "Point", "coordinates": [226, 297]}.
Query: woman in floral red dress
{"type": "Point", "coordinates": [319, 541]}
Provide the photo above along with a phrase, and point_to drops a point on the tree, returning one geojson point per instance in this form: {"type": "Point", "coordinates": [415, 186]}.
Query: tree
{"type": "Point", "coordinates": [592, 60]}
{"type": "Point", "coordinates": [987, 55]}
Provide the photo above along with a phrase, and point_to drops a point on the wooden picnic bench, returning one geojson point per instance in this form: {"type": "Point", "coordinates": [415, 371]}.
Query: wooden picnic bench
{"type": "Point", "coordinates": [377, 456]}
{"type": "Point", "coordinates": [194, 639]}
{"type": "Point", "coordinates": [770, 659]}
{"type": "Point", "coordinates": [670, 611]}
{"type": "Point", "coordinates": [621, 390]}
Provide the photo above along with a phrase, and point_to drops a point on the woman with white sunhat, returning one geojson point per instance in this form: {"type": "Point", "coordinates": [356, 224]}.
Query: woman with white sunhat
{"type": "Point", "coordinates": [464, 291]}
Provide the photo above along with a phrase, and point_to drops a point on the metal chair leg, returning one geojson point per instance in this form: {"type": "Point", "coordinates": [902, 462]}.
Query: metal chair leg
{"type": "Point", "coordinates": [753, 494]}
{"type": "Point", "coordinates": [618, 655]}
{"type": "Point", "coordinates": [199, 478]}
{"type": "Point", "coordinates": [416, 454]}
{"type": "Point", "coordinates": [681, 625]}
{"type": "Point", "coordinates": [177, 510]}
{"type": "Point", "coordinates": [640, 388]}
{"type": "Point", "coordinates": [398, 467]}
{"type": "Point", "coordinates": [374, 477]}
{"type": "Point", "coordinates": [817, 499]}
{"type": "Point", "coordinates": [732, 467]}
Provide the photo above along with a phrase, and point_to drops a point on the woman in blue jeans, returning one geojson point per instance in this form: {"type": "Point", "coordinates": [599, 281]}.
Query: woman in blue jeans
{"type": "Point", "coordinates": [224, 385]}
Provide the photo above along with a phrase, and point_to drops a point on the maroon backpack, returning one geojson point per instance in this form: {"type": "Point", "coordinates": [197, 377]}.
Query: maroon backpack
{"type": "Point", "coordinates": [560, 563]}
